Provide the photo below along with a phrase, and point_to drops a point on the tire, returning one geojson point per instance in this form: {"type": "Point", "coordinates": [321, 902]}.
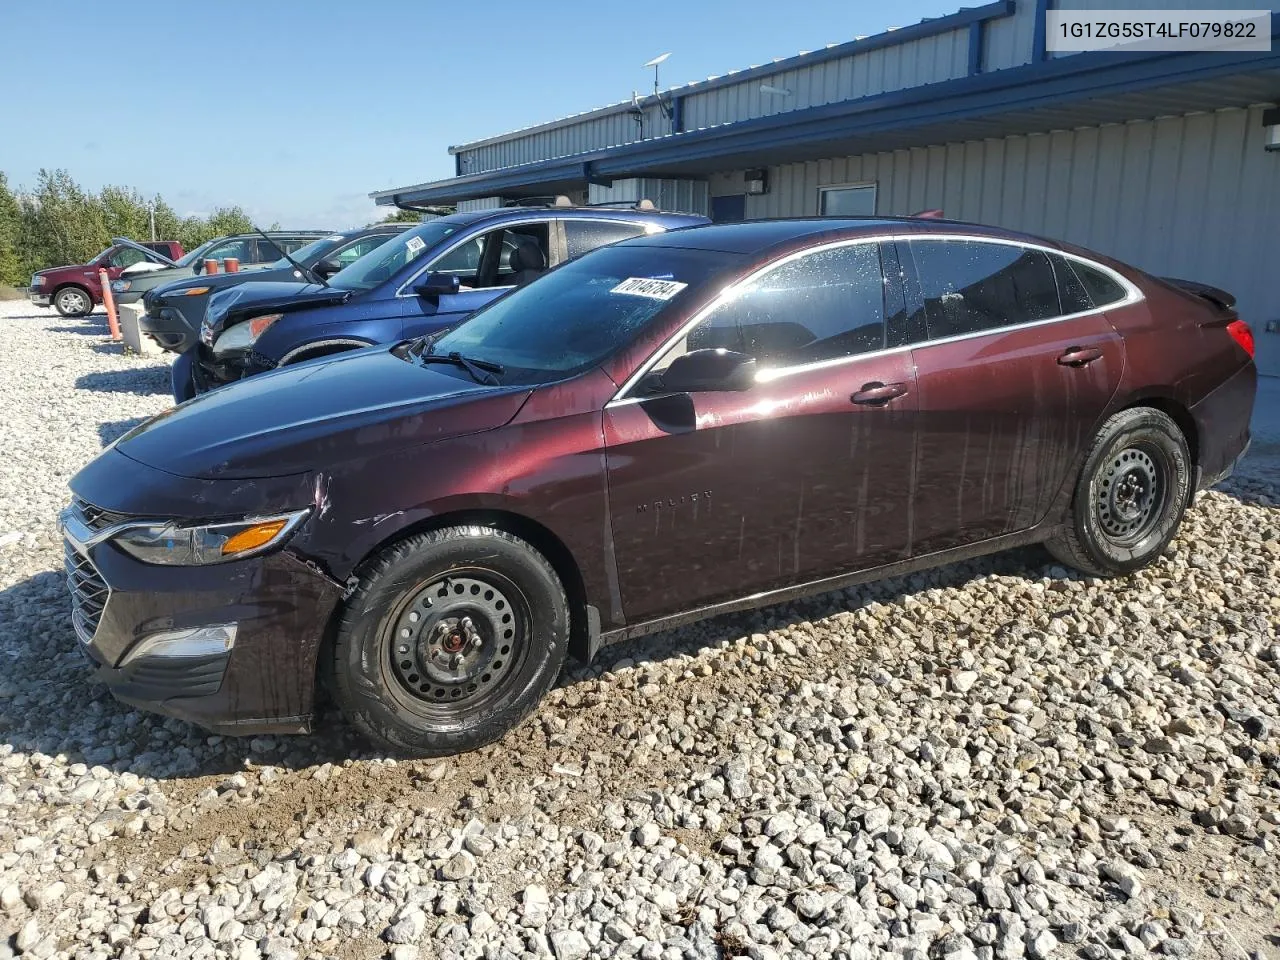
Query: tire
{"type": "Point", "coordinates": [478, 657]}
{"type": "Point", "coordinates": [73, 302]}
{"type": "Point", "coordinates": [1133, 490]}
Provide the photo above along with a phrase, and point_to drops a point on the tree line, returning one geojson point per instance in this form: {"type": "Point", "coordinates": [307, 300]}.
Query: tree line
{"type": "Point", "coordinates": [59, 222]}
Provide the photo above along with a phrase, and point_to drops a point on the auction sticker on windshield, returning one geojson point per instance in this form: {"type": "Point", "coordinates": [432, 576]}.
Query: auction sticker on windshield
{"type": "Point", "coordinates": [648, 287]}
{"type": "Point", "coordinates": [414, 244]}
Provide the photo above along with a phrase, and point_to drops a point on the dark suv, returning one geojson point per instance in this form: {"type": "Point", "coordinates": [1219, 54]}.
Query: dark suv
{"type": "Point", "coordinates": [174, 311]}
{"type": "Point", "coordinates": [252, 251]}
{"type": "Point", "coordinates": [424, 280]}
{"type": "Point", "coordinates": [665, 429]}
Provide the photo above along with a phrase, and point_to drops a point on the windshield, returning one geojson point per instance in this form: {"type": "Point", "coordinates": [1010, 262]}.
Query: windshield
{"type": "Point", "coordinates": [99, 256]}
{"type": "Point", "coordinates": [382, 263]}
{"type": "Point", "coordinates": [313, 252]}
{"type": "Point", "coordinates": [577, 315]}
{"type": "Point", "coordinates": [197, 253]}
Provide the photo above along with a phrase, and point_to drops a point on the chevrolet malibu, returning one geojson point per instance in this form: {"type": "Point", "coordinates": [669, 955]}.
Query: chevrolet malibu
{"type": "Point", "coordinates": [670, 428]}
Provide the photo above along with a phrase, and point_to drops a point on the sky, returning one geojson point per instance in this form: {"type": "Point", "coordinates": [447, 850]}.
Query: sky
{"type": "Point", "coordinates": [296, 111]}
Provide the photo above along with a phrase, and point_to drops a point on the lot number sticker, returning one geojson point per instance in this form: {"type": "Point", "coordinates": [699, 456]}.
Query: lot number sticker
{"type": "Point", "coordinates": [414, 244]}
{"type": "Point", "coordinates": [647, 287]}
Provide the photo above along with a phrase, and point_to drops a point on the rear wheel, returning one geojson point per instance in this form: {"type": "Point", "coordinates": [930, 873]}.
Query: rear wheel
{"type": "Point", "coordinates": [73, 302]}
{"type": "Point", "coordinates": [1130, 497]}
{"type": "Point", "coordinates": [450, 640]}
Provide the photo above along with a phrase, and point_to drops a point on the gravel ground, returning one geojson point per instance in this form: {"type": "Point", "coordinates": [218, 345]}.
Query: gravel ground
{"type": "Point", "coordinates": [994, 760]}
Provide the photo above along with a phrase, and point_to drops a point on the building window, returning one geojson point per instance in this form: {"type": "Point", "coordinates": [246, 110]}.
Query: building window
{"type": "Point", "coordinates": [848, 200]}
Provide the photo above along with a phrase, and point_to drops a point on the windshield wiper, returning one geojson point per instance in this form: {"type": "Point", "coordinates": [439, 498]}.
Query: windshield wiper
{"type": "Point", "coordinates": [481, 371]}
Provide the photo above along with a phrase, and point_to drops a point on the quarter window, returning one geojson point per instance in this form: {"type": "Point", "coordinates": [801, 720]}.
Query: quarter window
{"type": "Point", "coordinates": [583, 235]}
{"type": "Point", "coordinates": [1075, 298]}
{"type": "Point", "coordinates": [970, 286]}
{"type": "Point", "coordinates": [822, 306]}
{"type": "Point", "coordinates": [1103, 290]}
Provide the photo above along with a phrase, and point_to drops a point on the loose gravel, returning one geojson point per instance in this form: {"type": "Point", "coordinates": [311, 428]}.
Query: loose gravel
{"type": "Point", "coordinates": [998, 759]}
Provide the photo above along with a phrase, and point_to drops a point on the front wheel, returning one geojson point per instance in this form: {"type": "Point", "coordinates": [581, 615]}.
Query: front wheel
{"type": "Point", "coordinates": [451, 639]}
{"type": "Point", "coordinates": [73, 302]}
{"type": "Point", "coordinates": [1131, 495]}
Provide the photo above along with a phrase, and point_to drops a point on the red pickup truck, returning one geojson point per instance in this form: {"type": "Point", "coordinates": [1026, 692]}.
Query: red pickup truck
{"type": "Point", "coordinates": [76, 290]}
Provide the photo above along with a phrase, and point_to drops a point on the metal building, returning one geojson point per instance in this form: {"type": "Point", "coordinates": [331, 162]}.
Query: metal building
{"type": "Point", "coordinates": [1159, 159]}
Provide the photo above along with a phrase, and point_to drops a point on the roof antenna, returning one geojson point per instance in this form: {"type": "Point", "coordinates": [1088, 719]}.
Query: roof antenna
{"type": "Point", "coordinates": [657, 90]}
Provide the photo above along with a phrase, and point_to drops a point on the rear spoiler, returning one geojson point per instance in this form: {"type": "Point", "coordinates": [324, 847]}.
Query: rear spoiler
{"type": "Point", "coordinates": [1218, 297]}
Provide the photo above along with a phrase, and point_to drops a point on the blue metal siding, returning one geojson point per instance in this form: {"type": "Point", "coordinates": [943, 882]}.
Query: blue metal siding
{"type": "Point", "coordinates": [911, 64]}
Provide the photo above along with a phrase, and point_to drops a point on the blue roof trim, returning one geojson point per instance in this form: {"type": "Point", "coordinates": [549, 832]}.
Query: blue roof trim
{"type": "Point", "coordinates": [1043, 84]}
{"type": "Point", "coordinates": [968, 17]}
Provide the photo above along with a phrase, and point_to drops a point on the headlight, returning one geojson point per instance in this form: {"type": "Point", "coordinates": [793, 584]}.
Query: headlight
{"type": "Point", "coordinates": [174, 545]}
{"type": "Point", "coordinates": [120, 286]}
{"type": "Point", "coordinates": [244, 335]}
{"type": "Point", "coordinates": [37, 281]}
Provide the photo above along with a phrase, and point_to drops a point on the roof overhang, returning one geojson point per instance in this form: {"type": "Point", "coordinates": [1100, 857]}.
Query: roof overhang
{"type": "Point", "coordinates": [1082, 90]}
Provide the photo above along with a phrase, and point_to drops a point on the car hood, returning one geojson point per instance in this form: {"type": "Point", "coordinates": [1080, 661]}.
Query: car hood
{"type": "Point", "coordinates": [314, 415]}
{"type": "Point", "coordinates": [222, 281]}
{"type": "Point", "coordinates": [229, 307]}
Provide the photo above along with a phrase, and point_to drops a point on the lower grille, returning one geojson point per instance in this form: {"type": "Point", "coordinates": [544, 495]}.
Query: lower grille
{"type": "Point", "coordinates": [89, 593]}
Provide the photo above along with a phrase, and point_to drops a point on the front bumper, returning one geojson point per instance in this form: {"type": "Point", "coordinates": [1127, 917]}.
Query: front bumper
{"type": "Point", "coordinates": [209, 372]}
{"type": "Point", "coordinates": [39, 297]}
{"type": "Point", "coordinates": [276, 606]}
{"type": "Point", "coordinates": [169, 328]}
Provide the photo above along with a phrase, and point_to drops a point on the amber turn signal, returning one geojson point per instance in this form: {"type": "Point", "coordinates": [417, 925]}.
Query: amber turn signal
{"type": "Point", "coordinates": [197, 291]}
{"type": "Point", "coordinates": [252, 537]}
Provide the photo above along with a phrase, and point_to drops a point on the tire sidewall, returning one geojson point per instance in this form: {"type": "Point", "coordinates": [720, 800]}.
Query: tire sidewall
{"type": "Point", "coordinates": [57, 302]}
{"type": "Point", "coordinates": [1145, 426]}
{"type": "Point", "coordinates": [372, 695]}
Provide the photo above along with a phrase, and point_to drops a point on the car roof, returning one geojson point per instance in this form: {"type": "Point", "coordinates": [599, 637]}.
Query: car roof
{"type": "Point", "coordinates": [761, 236]}
{"type": "Point", "coordinates": [602, 212]}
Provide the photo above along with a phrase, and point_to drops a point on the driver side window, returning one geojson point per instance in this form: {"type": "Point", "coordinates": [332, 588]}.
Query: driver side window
{"type": "Point", "coordinates": [126, 257]}
{"type": "Point", "coordinates": [820, 306]}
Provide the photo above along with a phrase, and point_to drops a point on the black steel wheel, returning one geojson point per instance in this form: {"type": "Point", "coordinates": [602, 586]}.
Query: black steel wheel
{"type": "Point", "coordinates": [451, 639]}
{"type": "Point", "coordinates": [1130, 497]}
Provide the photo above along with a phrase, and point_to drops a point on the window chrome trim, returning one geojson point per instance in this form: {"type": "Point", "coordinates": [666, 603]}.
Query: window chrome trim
{"type": "Point", "coordinates": [467, 238]}
{"type": "Point", "coordinates": [1132, 295]}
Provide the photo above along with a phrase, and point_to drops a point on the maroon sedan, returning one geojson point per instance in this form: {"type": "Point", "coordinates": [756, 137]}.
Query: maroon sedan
{"type": "Point", "coordinates": [665, 429]}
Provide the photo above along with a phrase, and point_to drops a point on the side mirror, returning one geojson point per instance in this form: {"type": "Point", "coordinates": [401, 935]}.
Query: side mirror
{"type": "Point", "coordinates": [438, 284]}
{"type": "Point", "coordinates": [326, 268]}
{"type": "Point", "coordinates": [711, 369]}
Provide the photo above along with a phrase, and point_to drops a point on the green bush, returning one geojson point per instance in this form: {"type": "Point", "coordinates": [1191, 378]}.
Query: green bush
{"type": "Point", "coordinates": [59, 223]}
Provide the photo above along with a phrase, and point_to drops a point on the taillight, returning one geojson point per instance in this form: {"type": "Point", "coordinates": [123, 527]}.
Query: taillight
{"type": "Point", "coordinates": [1242, 335]}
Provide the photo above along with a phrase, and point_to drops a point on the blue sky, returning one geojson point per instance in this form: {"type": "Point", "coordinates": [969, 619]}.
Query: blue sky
{"type": "Point", "coordinates": [297, 110]}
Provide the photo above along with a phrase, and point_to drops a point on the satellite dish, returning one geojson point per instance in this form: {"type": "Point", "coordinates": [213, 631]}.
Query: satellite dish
{"type": "Point", "coordinates": [657, 60]}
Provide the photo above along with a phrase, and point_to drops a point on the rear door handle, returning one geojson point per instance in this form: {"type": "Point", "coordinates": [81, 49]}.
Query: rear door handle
{"type": "Point", "coordinates": [1079, 356]}
{"type": "Point", "coordinates": [877, 394]}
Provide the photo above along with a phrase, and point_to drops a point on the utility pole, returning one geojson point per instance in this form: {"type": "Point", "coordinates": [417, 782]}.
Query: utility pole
{"type": "Point", "coordinates": [151, 209]}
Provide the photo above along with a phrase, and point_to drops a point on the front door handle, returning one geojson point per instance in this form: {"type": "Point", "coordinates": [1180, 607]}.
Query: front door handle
{"type": "Point", "coordinates": [877, 394]}
{"type": "Point", "coordinates": [1079, 356]}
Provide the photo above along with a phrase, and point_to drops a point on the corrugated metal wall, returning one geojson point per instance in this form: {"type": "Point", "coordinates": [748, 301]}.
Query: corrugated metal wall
{"type": "Point", "coordinates": [596, 133]}
{"type": "Point", "coordinates": [1195, 196]}
{"type": "Point", "coordinates": [676, 196]}
{"type": "Point", "coordinates": [479, 203]}
{"type": "Point", "coordinates": [911, 64]}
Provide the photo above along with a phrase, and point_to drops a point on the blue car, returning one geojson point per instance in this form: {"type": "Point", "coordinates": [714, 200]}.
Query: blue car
{"type": "Point", "coordinates": [425, 280]}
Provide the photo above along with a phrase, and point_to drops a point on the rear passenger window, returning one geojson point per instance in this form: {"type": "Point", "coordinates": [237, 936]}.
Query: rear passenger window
{"type": "Point", "coordinates": [1075, 298]}
{"type": "Point", "coordinates": [1103, 290]}
{"type": "Point", "coordinates": [970, 286]}
{"type": "Point", "coordinates": [583, 235]}
{"type": "Point", "coordinates": [822, 306]}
